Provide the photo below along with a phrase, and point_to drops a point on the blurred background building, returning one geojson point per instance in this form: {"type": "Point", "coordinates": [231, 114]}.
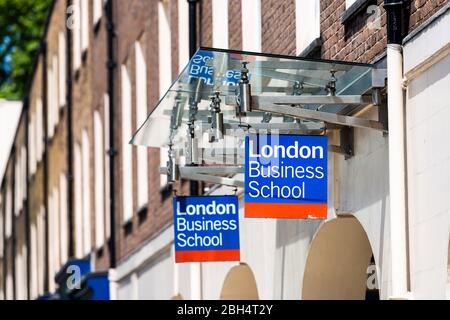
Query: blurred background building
{"type": "Point", "coordinates": [80, 205]}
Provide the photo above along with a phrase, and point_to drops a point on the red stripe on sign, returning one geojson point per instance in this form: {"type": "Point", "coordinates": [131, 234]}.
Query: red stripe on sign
{"type": "Point", "coordinates": [207, 255]}
{"type": "Point", "coordinates": [285, 210]}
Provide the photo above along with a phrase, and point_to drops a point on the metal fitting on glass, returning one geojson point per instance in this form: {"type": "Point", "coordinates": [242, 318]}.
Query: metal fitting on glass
{"type": "Point", "coordinates": [192, 148]}
{"type": "Point", "coordinates": [173, 171]}
{"type": "Point", "coordinates": [244, 99]}
{"type": "Point", "coordinates": [297, 89]}
{"type": "Point", "coordinates": [217, 126]}
{"type": "Point", "coordinates": [331, 85]}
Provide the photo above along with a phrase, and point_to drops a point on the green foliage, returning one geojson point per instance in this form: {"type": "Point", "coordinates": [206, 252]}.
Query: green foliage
{"type": "Point", "coordinates": [22, 23]}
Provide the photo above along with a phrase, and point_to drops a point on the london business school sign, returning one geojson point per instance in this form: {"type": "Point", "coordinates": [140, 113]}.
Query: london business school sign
{"type": "Point", "coordinates": [206, 228]}
{"type": "Point", "coordinates": [285, 176]}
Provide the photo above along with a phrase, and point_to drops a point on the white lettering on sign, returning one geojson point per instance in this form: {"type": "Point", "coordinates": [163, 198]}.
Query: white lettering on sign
{"type": "Point", "coordinates": [196, 240]}
{"type": "Point", "coordinates": [209, 209]}
{"type": "Point", "coordinates": [293, 151]}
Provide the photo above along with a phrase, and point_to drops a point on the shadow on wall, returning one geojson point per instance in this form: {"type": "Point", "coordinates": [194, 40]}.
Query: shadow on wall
{"type": "Point", "coordinates": [239, 284]}
{"type": "Point", "coordinates": [338, 263]}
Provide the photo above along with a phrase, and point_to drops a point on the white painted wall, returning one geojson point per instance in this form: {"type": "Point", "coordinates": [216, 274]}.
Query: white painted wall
{"type": "Point", "coordinates": [155, 279]}
{"type": "Point", "coordinates": [428, 155]}
{"type": "Point", "coordinates": [149, 272]}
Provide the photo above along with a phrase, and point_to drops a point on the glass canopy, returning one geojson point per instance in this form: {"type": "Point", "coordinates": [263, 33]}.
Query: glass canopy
{"type": "Point", "coordinates": [216, 72]}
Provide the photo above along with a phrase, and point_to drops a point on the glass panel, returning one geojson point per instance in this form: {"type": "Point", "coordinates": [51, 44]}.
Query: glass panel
{"type": "Point", "coordinates": [215, 70]}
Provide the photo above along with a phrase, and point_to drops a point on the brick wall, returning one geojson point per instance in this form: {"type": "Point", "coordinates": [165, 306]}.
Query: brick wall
{"type": "Point", "coordinates": [278, 26]}
{"type": "Point", "coordinates": [235, 24]}
{"type": "Point", "coordinates": [205, 23]}
{"type": "Point", "coordinates": [141, 18]}
{"type": "Point", "coordinates": [356, 40]}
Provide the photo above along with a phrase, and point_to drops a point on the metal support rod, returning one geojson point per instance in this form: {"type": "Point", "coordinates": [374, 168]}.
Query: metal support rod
{"type": "Point", "coordinates": [327, 117]}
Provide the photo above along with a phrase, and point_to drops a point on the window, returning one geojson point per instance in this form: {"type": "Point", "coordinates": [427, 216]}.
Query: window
{"type": "Point", "coordinates": [32, 143]}
{"type": "Point", "coordinates": [84, 24]}
{"type": "Point", "coordinates": [141, 115]}
{"type": "Point", "coordinates": [165, 66]}
{"type": "Point", "coordinates": [106, 155]}
{"type": "Point", "coordinates": [78, 186]}
{"type": "Point", "coordinates": [348, 3]}
{"type": "Point", "coordinates": [97, 10]}
{"type": "Point", "coordinates": [165, 49]}
{"type": "Point", "coordinates": [251, 25]}
{"type": "Point", "coordinates": [86, 194]}
{"type": "Point", "coordinates": [307, 20]}
{"type": "Point", "coordinates": [76, 31]}
{"type": "Point", "coordinates": [99, 181]}
{"type": "Point", "coordinates": [62, 68]}
{"type": "Point", "coordinates": [52, 96]}
{"type": "Point", "coordinates": [183, 33]}
{"type": "Point", "coordinates": [39, 130]}
{"type": "Point", "coordinates": [127, 164]}
{"type": "Point", "coordinates": [40, 226]}
{"type": "Point", "coordinates": [24, 172]}
{"type": "Point", "coordinates": [34, 289]}
{"type": "Point", "coordinates": [54, 234]}
{"type": "Point", "coordinates": [220, 23]}
{"type": "Point", "coordinates": [64, 224]}
{"type": "Point", "coordinates": [163, 158]}
{"type": "Point", "coordinates": [55, 90]}
{"type": "Point", "coordinates": [8, 211]}
{"type": "Point", "coordinates": [20, 268]}
{"type": "Point", "coordinates": [49, 102]}
{"type": "Point", "coordinates": [17, 185]}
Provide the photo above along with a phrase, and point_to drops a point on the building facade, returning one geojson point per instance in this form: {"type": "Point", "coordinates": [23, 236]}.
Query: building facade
{"type": "Point", "coordinates": [76, 192]}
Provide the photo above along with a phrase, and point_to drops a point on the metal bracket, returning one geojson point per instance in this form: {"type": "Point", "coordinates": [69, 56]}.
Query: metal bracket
{"type": "Point", "coordinates": [206, 174]}
{"type": "Point", "coordinates": [327, 117]}
{"type": "Point", "coordinates": [346, 145]}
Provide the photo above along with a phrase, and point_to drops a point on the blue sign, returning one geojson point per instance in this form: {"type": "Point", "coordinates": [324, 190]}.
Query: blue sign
{"type": "Point", "coordinates": [286, 176]}
{"type": "Point", "coordinates": [206, 228]}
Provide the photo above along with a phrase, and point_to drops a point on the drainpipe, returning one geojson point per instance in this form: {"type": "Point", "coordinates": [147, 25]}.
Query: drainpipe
{"type": "Point", "coordinates": [194, 186]}
{"type": "Point", "coordinates": [71, 249]}
{"type": "Point", "coordinates": [111, 65]}
{"type": "Point", "coordinates": [192, 27]}
{"type": "Point", "coordinates": [397, 150]}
